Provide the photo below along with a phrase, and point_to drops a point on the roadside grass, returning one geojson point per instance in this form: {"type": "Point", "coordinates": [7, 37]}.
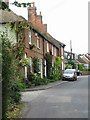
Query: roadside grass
{"type": "Point", "coordinates": [16, 111]}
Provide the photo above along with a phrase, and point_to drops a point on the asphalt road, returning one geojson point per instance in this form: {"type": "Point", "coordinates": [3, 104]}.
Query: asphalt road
{"type": "Point", "coordinates": [68, 100]}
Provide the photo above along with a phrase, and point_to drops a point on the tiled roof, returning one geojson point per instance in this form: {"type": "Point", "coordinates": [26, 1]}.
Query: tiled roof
{"type": "Point", "coordinates": [81, 60]}
{"type": "Point", "coordinates": [9, 16]}
{"type": "Point", "coordinates": [53, 40]}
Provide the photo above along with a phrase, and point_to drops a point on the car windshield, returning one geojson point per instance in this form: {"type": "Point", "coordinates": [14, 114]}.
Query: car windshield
{"type": "Point", "coordinates": [68, 72]}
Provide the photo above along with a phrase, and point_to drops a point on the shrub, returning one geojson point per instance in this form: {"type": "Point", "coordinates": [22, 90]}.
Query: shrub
{"type": "Point", "coordinates": [80, 67]}
{"type": "Point", "coordinates": [12, 76]}
{"type": "Point", "coordinates": [36, 79]}
{"type": "Point", "coordinates": [16, 86]}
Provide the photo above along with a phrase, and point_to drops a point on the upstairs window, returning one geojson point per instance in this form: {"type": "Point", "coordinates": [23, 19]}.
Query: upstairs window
{"type": "Point", "coordinates": [30, 64]}
{"type": "Point", "coordinates": [30, 37]}
{"type": "Point", "coordinates": [38, 42]}
{"type": "Point", "coordinates": [55, 51]}
{"type": "Point", "coordinates": [52, 49]}
{"type": "Point", "coordinates": [47, 47]}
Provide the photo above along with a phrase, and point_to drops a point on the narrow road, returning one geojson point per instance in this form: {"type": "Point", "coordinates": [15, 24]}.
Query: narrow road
{"type": "Point", "coordinates": [68, 100]}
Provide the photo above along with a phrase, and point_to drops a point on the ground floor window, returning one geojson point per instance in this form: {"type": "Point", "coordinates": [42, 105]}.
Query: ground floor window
{"type": "Point", "coordinates": [30, 64]}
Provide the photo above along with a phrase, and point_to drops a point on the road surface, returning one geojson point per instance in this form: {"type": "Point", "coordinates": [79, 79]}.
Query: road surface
{"type": "Point", "coordinates": [68, 100]}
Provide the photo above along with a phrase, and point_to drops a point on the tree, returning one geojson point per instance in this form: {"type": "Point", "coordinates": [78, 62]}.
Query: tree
{"type": "Point", "coordinates": [56, 69]}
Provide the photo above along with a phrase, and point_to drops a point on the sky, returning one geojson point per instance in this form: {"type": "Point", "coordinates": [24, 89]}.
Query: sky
{"type": "Point", "coordinates": [66, 20]}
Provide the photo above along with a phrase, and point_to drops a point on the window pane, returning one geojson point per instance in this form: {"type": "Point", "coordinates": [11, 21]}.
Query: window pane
{"type": "Point", "coordinates": [30, 37]}
{"type": "Point", "coordinates": [30, 64]}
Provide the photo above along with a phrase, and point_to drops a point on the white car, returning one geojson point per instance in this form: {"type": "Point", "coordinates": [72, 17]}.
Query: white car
{"type": "Point", "coordinates": [69, 74]}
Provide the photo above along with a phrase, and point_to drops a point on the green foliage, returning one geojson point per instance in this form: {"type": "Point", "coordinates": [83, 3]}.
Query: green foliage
{"type": "Point", "coordinates": [68, 66]}
{"type": "Point", "coordinates": [21, 4]}
{"type": "Point", "coordinates": [48, 64]}
{"type": "Point", "coordinates": [16, 86]}
{"type": "Point", "coordinates": [6, 72]}
{"type": "Point", "coordinates": [80, 67]}
{"type": "Point", "coordinates": [36, 65]}
{"type": "Point", "coordinates": [71, 63]}
{"type": "Point", "coordinates": [32, 46]}
{"type": "Point", "coordinates": [11, 76]}
{"type": "Point", "coordinates": [24, 62]}
{"type": "Point", "coordinates": [56, 73]}
{"type": "Point", "coordinates": [36, 79]}
{"type": "Point", "coordinates": [4, 6]}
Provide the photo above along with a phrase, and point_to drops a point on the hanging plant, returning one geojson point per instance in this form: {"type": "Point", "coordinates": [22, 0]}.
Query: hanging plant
{"type": "Point", "coordinates": [32, 46]}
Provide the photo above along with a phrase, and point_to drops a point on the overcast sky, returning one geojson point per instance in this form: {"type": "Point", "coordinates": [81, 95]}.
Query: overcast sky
{"type": "Point", "coordinates": [66, 20]}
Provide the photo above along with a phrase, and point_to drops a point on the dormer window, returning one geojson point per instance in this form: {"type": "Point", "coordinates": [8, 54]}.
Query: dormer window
{"type": "Point", "coordinates": [30, 37]}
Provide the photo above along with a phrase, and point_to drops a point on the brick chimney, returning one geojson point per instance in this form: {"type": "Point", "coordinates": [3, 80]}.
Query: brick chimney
{"type": "Point", "coordinates": [32, 13]}
{"type": "Point", "coordinates": [39, 18]}
{"type": "Point", "coordinates": [45, 28]}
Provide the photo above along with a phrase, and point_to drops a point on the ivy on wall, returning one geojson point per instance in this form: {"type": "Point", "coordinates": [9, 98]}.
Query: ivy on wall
{"type": "Point", "coordinates": [48, 58]}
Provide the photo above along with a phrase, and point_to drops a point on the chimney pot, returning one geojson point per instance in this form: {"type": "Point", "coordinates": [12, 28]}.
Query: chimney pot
{"type": "Point", "coordinates": [40, 13]}
{"type": "Point", "coordinates": [33, 4]}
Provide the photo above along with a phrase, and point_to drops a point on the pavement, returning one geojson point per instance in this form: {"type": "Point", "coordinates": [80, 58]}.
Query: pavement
{"type": "Point", "coordinates": [44, 87]}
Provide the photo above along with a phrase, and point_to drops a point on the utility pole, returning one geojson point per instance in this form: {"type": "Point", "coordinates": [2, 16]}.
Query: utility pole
{"type": "Point", "coordinates": [70, 46]}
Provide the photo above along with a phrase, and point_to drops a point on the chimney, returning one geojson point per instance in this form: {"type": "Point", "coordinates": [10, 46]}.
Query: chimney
{"type": "Point", "coordinates": [32, 13]}
{"type": "Point", "coordinates": [39, 18]}
{"type": "Point", "coordinates": [45, 28]}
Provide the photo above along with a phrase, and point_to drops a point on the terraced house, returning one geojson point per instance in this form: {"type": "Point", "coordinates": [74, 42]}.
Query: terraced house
{"type": "Point", "coordinates": [37, 41]}
{"type": "Point", "coordinates": [38, 36]}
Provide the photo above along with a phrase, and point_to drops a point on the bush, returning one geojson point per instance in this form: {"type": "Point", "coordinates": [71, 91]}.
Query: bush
{"type": "Point", "coordinates": [12, 76]}
{"type": "Point", "coordinates": [16, 86]}
{"type": "Point", "coordinates": [36, 79]}
{"type": "Point", "coordinates": [80, 67]}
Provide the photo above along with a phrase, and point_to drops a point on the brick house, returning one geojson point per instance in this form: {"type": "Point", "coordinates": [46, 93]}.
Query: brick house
{"type": "Point", "coordinates": [37, 35]}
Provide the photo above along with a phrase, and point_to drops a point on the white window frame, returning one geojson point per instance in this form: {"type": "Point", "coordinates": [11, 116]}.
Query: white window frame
{"type": "Point", "coordinates": [25, 56]}
{"type": "Point", "coordinates": [30, 37]}
{"type": "Point", "coordinates": [52, 50]}
{"type": "Point", "coordinates": [47, 47]}
{"type": "Point", "coordinates": [30, 64]}
{"type": "Point", "coordinates": [38, 42]}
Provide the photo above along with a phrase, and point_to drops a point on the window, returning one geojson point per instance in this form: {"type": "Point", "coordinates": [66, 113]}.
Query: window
{"type": "Point", "coordinates": [52, 49]}
{"type": "Point", "coordinates": [47, 47]}
{"type": "Point", "coordinates": [30, 64]}
{"type": "Point", "coordinates": [38, 42]}
{"type": "Point", "coordinates": [40, 66]}
{"type": "Point", "coordinates": [30, 37]}
{"type": "Point", "coordinates": [25, 67]}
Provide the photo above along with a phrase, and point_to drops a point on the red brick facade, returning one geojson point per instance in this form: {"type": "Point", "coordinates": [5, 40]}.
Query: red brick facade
{"type": "Point", "coordinates": [43, 41]}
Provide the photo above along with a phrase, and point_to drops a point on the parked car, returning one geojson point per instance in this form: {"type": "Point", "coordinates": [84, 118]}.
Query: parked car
{"type": "Point", "coordinates": [69, 74]}
{"type": "Point", "coordinates": [78, 72]}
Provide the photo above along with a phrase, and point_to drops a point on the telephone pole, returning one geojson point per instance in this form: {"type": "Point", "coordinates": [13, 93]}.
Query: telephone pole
{"type": "Point", "coordinates": [70, 46]}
